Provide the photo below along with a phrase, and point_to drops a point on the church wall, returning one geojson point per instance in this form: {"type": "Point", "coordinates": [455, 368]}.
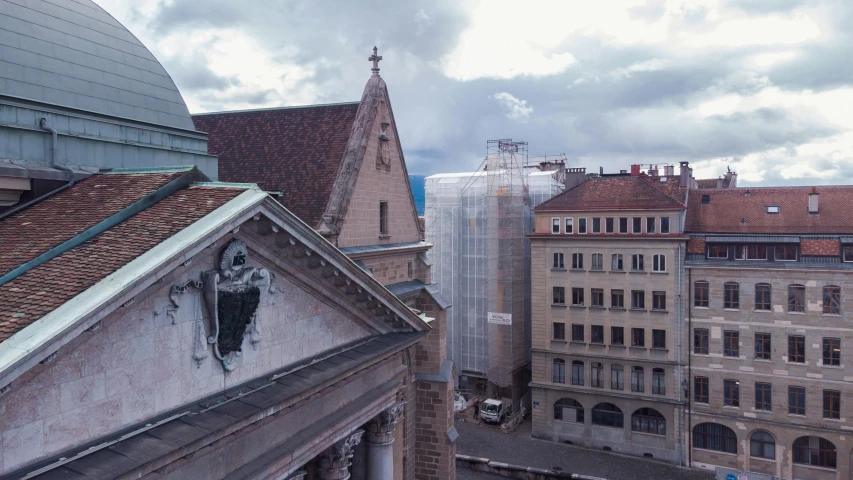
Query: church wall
{"type": "Point", "coordinates": [139, 364]}
{"type": "Point", "coordinates": [376, 183]}
{"type": "Point", "coordinates": [389, 269]}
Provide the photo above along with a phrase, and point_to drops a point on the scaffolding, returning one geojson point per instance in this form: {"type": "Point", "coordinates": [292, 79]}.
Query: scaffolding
{"type": "Point", "coordinates": [478, 223]}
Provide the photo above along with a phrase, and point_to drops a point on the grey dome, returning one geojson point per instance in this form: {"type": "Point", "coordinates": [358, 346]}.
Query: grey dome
{"type": "Point", "coordinates": [74, 54]}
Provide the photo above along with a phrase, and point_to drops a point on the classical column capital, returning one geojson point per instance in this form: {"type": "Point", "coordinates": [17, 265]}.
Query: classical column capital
{"type": "Point", "coordinates": [335, 460]}
{"type": "Point", "coordinates": [381, 428]}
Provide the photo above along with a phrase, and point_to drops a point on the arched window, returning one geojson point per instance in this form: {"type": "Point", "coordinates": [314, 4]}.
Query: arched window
{"type": "Point", "coordinates": [713, 436]}
{"type": "Point", "coordinates": [731, 295]}
{"type": "Point", "coordinates": [796, 298]}
{"type": "Point", "coordinates": [762, 445]}
{"type": "Point", "coordinates": [648, 420]}
{"type": "Point", "coordinates": [617, 377]}
{"type": "Point", "coordinates": [559, 370]}
{"type": "Point", "coordinates": [568, 410]}
{"type": "Point", "coordinates": [832, 299]}
{"type": "Point", "coordinates": [815, 451]}
{"type": "Point", "coordinates": [658, 381]}
{"type": "Point", "coordinates": [608, 415]}
{"type": "Point", "coordinates": [577, 372]}
{"type": "Point", "coordinates": [596, 378]}
{"type": "Point", "coordinates": [638, 379]}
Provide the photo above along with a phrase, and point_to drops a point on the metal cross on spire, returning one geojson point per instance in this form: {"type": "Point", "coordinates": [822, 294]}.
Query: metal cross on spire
{"type": "Point", "coordinates": [375, 59]}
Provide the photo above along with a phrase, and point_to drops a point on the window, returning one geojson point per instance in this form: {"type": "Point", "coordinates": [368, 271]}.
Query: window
{"type": "Point", "coordinates": [555, 225]}
{"type": "Point", "coordinates": [796, 298]}
{"type": "Point", "coordinates": [832, 351]}
{"type": "Point", "coordinates": [664, 224]}
{"type": "Point", "coordinates": [637, 262]}
{"type": "Point", "coordinates": [700, 389]}
{"type": "Point", "coordinates": [597, 297]}
{"type": "Point", "coordinates": [570, 225]}
{"type": "Point", "coordinates": [559, 370]}
{"type": "Point", "coordinates": [762, 296]}
{"type": "Point", "coordinates": [638, 379]}
{"type": "Point", "coordinates": [608, 225]}
{"type": "Point", "coordinates": [577, 297]}
{"type": "Point", "coordinates": [597, 375]}
{"type": "Point", "coordinates": [731, 295]}
{"type": "Point", "coordinates": [607, 415]}
{"type": "Point", "coordinates": [718, 251]}
{"type": "Point", "coordinates": [774, 209]}
{"type": "Point", "coordinates": [638, 337]}
{"type": "Point", "coordinates": [815, 451]}
{"type": "Point", "coordinates": [559, 331]}
{"type": "Point", "coordinates": [700, 294]}
{"type": "Point", "coordinates": [659, 263]}
{"type": "Point", "coordinates": [617, 299]}
{"type": "Point", "coordinates": [650, 224]}
{"type": "Point", "coordinates": [568, 410]}
{"type": "Point", "coordinates": [623, 225]}
{"type": "Point", "coordinates": [577, 373]}
{"type": "Point", "coordinates": [763, 396]}
{"type": "Point", "coordinates": [617, 335]}
{"type": "Point", "coordinates": [577, 333]}
{"type": "Point", "coordinates": [762, 445]}
{"type": "Point", "coordinates": [617, 377]}
{"type": "Point", "coordinates": [832, 299]}
{"type": "Point", "coordinates": [577, 261]}
{"type": "Point", "coordinates": [558, 261]}
{"type": "Point", "coordinates": [751, 252]}
{"type": "Point", "coordinates": [648, 420]}
{"type": "Point", "coordinates": [636, 225]}
{"type": "Point", "coordinates": [659, 301]}
{"type": "Point", "coordinates": [596, 225]}
{"type": "Point", "coordinates": [797, 400]}
{"type": "Point", "coordinates": [785, 253]}
{"type": "Point", "coordinates": [847, 253]}
{"type": "Point", "coordinates": [581, 225]}
{"type": "Point", "coordinates": [411, 269]}
{"type": "Point", "coordinates": [731, 393]}
{"type": "Point", "coordinates": [700, 341]}
{"type": "Point", "coordinates": [658, 381]}
{"type": "Point", "coordinates": [762, 346]}
{"type": "Point", "coordinates": [638, 299]}
{"type": "Point", "coordinates": [616, 262]}
{"type": "Point", "coordinates": [597, 261]}
{"type": "Point", "coordinates": [596, 334]}
{"type": "Point", "coordinates": [658, 338]}
{"type": "Point", "coordinates": [796, 349]}
{"type": "Point", "coordinates": [383, 218]}
{"type": "Point", "coordinates": [559, 295]}
{"type": "Point", "coordinates": [731, 343]}
{"type": "Point", "coordinates": [713, 436]}
{"type": "Point", "coordinates": [832, 404]}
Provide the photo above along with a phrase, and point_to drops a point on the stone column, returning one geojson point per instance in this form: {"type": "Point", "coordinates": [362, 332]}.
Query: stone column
{"type": "Point", "coordinates": [380, 443]}
{"type": "Point", "coordinates": [334, 462]}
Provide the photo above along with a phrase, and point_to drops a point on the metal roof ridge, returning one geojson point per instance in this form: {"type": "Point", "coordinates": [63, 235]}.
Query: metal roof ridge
{"type": "Point", "coordinates": [128, 171]}
{"type": "Point", "coordinates": [269, 109]}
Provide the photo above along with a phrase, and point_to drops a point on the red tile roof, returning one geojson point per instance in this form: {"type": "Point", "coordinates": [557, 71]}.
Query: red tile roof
{"type": "Point", "coordinates": [619, 192]}
{"type": "Point", "coordinates": [35, 230]}
{"type": "Point", "coordinates": [48, 286]}
{"type": "Point", "coordinates": [731, 211]}
{"type": "Point", "coordinates": [297, 151]}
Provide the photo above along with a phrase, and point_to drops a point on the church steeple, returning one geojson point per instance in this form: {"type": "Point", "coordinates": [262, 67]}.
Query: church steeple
{"type": "Point", "coordinates": [375, 58]}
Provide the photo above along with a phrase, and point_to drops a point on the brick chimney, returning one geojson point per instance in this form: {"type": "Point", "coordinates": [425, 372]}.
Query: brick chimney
{"type": "Point", "coordinates": [813, 205]}
{"type": "Point", "coordinates": [684, 173]}
{"type": "Point", "coordinates": [635, 169]}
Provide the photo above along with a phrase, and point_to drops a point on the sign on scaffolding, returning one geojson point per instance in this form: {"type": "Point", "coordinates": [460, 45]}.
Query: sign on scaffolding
{"type": "Point", "coordinates": [500, 318]}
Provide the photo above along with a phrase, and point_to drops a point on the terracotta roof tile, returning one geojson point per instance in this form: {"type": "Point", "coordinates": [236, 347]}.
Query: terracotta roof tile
{"type": "Point", "coordinates": [35, 230]}
{"type": "Point", "coordinates": [732, 211]}
{"type": "Point", "coordinates": [617, 192]}
{"type": "Point", "coordinates": [48, 286]}
{"type": "Point", "coordinates": [297, 151]}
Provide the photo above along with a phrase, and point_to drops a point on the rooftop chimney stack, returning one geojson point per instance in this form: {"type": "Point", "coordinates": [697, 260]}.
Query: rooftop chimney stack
{"type": "Point", "coordinates": [813, 205]}
{"type": "Point", "coordinates": [635, 169]}
{"type": "Point", "coordinates": [668, 170]}
{"type": "Point", "coordinates": [719, 182]}
{"type": "Point", "coordinates": [684, 172]}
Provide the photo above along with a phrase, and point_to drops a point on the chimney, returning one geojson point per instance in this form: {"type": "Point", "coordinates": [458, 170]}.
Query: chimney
{"type": "Point", "coordinates": [668, 170]}
{"type": "Point", "coordinates": [719, 182]}
{"type": "Point", "coordinates": [813, 206]}
{"type": "Point", "coordinates": [574, 177]}
{"type": "Point", "coordinates": [684, 172]}
{"type": "Point", "coordinates": [653, 170]}
{"type": "Point", "coordinates": [635, 169]}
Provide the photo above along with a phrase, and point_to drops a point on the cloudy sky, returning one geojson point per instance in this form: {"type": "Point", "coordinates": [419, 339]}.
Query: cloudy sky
{"type": "Point", "coordinates": [762, 86]}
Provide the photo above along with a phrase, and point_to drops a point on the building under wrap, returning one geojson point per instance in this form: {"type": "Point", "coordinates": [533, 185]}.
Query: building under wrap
{"type": "Point", "coordinates": [478, 223]}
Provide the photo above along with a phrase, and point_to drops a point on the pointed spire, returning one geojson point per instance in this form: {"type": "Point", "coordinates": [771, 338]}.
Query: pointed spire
{"type": "Point", "coordinates": [375, 58]}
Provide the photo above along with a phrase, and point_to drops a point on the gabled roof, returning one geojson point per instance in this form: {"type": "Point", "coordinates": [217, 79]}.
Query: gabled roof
{"type": "Point", "coordinates": [613, 192]}
{"type": "Point", "coordinates": [296, 151]}
{"type": "Point", "coordinates": [735, 211]}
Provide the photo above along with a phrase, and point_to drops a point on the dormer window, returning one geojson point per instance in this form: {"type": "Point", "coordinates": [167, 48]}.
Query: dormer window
{"type": "Point", "coordinates": [772, 209]}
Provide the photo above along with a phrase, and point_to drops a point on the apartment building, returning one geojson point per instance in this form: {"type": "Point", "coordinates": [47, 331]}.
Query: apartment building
{"type": "Point", "coordinates": [609, 348]}
{"type": "Point", "coordinates": [769, 271]}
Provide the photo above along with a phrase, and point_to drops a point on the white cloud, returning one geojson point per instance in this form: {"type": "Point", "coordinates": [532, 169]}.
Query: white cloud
{"type": "Point", "coordinates": [517, 109]}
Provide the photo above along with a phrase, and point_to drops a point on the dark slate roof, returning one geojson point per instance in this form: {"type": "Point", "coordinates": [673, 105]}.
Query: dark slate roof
{"type": "Point", "coordinates": [733, 211]}
{"type": "Point", "coordinates": [612, 192]}
{"type": "Point", "coordinates": [409, 287]}
{"type": "Point", "coordinates": [295, 150]}
{"type": "Point", "coordinates": [384, 248]}
{"type": "Point", "coordinates": [153, 438]}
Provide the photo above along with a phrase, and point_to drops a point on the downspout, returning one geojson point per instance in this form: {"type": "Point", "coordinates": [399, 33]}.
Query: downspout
{"type": "Point", "coordinates": [53, 139]}
{"type": "Point", "coordinates": [680, 319]}
{"type": "Point", "coordinates": [689, 368]}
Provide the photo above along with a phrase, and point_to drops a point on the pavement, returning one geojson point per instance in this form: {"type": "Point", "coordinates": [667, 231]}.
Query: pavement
{"type": "Point", "coordinates": [520, 448]}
